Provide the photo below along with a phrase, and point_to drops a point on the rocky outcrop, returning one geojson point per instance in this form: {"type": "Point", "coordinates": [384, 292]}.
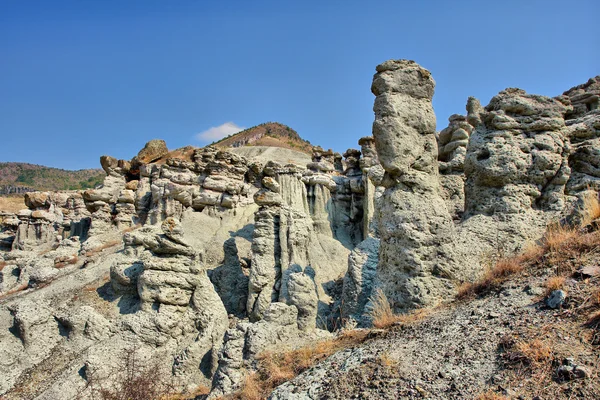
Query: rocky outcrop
{"type": "Point", "coordinates": [176, 298]}
{"type": "Point", "coordinates": [452, 149]}
{"type": "Point", "coordinates": [51, 216]}
{"type": "Point", "coordinates": [585, 98]}
{"type": "Point", "coordinates": [413, 219]}
{"type": "Point", "coordinates": [517, 158]}
{"type": "Point", "coordinates": [152, 151]}
{"type": "Point", "coordinates": [583, 130]}
{"type": "Point", "coordinates": [359, 283]}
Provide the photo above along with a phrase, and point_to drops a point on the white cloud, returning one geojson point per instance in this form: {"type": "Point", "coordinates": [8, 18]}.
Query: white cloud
{"type": "Point", "coordinates": [218, 132]}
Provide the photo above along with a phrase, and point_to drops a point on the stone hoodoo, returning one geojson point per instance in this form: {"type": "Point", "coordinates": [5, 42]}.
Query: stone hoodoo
{"type": "Point", "coordinates": [452, 149]}
{"type": "Point", "coordinates": [413, 218]}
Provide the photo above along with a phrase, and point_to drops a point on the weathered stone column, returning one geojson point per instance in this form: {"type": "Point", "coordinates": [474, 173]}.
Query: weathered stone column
{"type": "Point", "coordinates": [413, 219]}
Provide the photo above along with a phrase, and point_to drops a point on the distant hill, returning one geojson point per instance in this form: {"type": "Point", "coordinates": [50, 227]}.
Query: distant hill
{"type": "Point", "coordinates": [18, 177]}
{"type": "Point", "coordinates": [272, 134]}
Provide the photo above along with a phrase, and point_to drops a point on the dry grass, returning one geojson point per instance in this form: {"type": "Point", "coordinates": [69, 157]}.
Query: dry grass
{"type": "Point", "coordinates": [251, 389]}
{"type": "Point", "coordinates": [531, 253]}
{"type": "Point", "coordinates": [12, 204]}
{"type": "Point", "coordinates": [555, 283]}
{"type": "Point", "coordinates": [381, 313]}
{"type": "Point", "coordinates": [135, 379]}
{"type": "Point", "coordinates": [491, 395]}
{"type": "Point", "coordinates": [275, 368]}
{"type": "Point", "coordinates": [383, 316]}
{"type": "Point", "coordinates": [558, 235]}
{"type": "Point", "coordinates": [2, 265]}
{"type": "Point", "coordinates": [593, 319]}
{"type": "Point", "coordinates": [591, 208]}
{"type": "Point", "coordinates": [529, 354]}
{"type": "Point", "coordinates": [563, 248]}
{"type": "Point", "coordinates": [492, 278]}
{"type": "Point", "coordinates": [535, 352]}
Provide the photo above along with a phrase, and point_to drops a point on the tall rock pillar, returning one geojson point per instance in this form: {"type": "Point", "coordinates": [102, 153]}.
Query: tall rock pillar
{"type": "Point", "coordinates": [414, 222]}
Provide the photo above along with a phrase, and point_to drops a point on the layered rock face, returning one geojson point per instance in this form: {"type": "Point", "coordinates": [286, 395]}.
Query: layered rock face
{"type": "Point", "coordinates": [413, 219]}
{"type": "Point", "coordinates": [192, 245]}
{"type": "Point", "coordinates": [517, 158]}
{"type": "Point", "coordinates": [452, 149]}
{"type": "Point", "coordinates": [583, 130]}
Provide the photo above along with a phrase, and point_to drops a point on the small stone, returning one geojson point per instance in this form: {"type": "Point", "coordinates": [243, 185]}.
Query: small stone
{"type": "Point", "coordinates": [556, 299]}
{"type": "Point", "coordinates": [565, 372]}
{"type": "Point", "coordinates": [580, 372]}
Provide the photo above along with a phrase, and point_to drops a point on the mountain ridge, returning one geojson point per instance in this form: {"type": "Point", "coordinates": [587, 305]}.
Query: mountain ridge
{"type": "Point", "coordinates": [19, 177]}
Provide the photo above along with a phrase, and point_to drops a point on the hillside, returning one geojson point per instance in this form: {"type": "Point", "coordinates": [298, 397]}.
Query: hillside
{"type": "Point", "coordinates": [23, 177]}
{"type": "Point", "coordinates": [271, 134]}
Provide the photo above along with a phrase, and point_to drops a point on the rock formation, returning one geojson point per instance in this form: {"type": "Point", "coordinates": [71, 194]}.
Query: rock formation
{"type": "Point", "coordinates": [414, 220]}
{"type": "Point", "coordinates": [517, 158]}
{"type": "Point", "coordinates": [201, 259]}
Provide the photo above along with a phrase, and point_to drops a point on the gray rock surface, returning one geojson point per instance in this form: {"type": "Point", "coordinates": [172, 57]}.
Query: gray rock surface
{"type": "Point", "coordinates": [413, 219]}
{"type": "Point", "coordinates": [517, 159]}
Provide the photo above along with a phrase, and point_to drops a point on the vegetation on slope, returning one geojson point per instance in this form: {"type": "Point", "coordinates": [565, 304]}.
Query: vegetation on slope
{"type": "Point", "coordinates": [38, 177]}
{"type": "Point", "coordinates": [272, 134]}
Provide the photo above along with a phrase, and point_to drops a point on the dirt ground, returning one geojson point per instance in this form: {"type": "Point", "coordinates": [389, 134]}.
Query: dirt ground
{"type": "Point", "coordinates": [506, 345]}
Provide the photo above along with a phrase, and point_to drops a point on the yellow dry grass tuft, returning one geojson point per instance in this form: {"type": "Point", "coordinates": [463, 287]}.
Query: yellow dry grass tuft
{"type": "Point", "coordinates": [531, 253]}
{"type": "Point", "coordinates": [558, 236]}
{"type": "Point", "coordinates": [251, 389]}
{"type": "Point", "coordinates": [535, 352]}
{"type": "Point", "coordinates": [493, 278]}
{"type": "Point", "coordinates": [382, 314]}
{"type": "Point", "coordinates": [591, 208]}
{"type": "Point", "coordinates": [12, 204]}
{"type": "Point", "coordinates": [555, 283]}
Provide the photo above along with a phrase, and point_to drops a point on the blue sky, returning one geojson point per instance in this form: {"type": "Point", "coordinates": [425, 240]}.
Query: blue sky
{"type": "Point", "coordinates": [83, 78]}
